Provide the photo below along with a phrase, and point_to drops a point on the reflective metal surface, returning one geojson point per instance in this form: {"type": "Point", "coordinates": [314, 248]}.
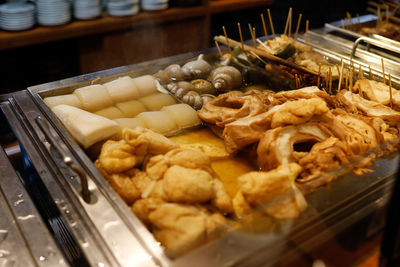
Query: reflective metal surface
{"type": "Point", "coordinates": [24, 238]}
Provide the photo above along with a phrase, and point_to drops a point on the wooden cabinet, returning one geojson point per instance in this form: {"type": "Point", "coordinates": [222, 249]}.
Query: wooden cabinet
{"type": "Point", "coordinates": [109, 41]}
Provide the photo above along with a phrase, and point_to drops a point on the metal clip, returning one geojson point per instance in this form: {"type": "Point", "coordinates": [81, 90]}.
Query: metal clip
{"type": "Point", "coordinates": [66, 158]}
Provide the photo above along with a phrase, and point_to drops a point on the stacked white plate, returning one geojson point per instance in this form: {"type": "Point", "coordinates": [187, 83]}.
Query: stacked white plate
{"type": "Point", "coordinates": [87, 9]}
{"type": "Point", "coordinates": [53, 12]}
{"type": "Point", "coordinates": [17, 16]}
{"type": "Point", "coordinates": [151, 5]}
{"type": "Point", "coordinates": [123, 7]}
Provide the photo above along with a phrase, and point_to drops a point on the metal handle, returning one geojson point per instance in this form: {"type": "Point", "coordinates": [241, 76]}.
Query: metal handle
{"type": "Point", "coordinates": [66, 158]}
{"type": "Point", "coordinates": [368, 40]}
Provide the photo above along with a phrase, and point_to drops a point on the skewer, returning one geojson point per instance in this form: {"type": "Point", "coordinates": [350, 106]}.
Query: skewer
{"type": "Point", "coordinates": [241, 36]}
{"type": "Point", "coordinates": [383, 71]}
{"type": "Point", "coordinates": [351, 79]}
{"type": "Point", "coordinates": [371, 77]}
{"type": "Point", "coordinates": [290, 23]}
{"type": "Point", "coordinates": [387, 14]}
{"type": "Point", "coordinates": [340, 76]}
{"type": "Point", "coordinates": [319, 75]}
{"type": "Point", "coordinates": [219, 49]}
{"type": "Point", "coordinates": [337, 68]}
{"type": "Point", "coordinates": [271, 23]}
{"type": "Point", "coordinates": [297, 81]}
{"type": "Point", "coordinates": [346, 79]}
{"type": "Point", "coordinates": [360, 72]}
{"type": "Point", "coordinates": [259, 58]}
{"type": "Point", "coordinates": [252, 35]}
{"type": "Point", "coordinates": [227, 40]}
{"type": "Point", "coordinates": [327, 81]}
{"type": "Point", "coordinates": [264, 54]}
{"type": "Point", "coordinates": [379, 15]}
{"type": "Point", "coordinates": [287, 22]}
{"type": "Point", "coordinates": [330, 80]}
{"type": "Point", "coordinates": [390, 91]}
{"type": "Point", "coordinates": [349, 18]}
{"type": "Point", "coordinates": [342, 23]}
{"type": "Point", "coordinates": [395, 9]}
{"type": "Point", "coordinates": [297, 27]}
{"type": "Point", "coordinates": [264, 27]}
{"type": "Point", "coordinates": [307, 31]}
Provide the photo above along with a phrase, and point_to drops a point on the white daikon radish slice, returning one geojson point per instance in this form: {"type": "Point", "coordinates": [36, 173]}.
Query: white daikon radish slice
{"type": "Point", "coordinates": [183, 115]}
{"type": "Point", "coordinates": [122, 89]}
{"type": "Point", "coordinates": [131, 108]}
{"type": "Point", "coordinates": [146, 84]}
{"type": "Point", "coordinates": [94, 97]}
{"type": "Point", "coordinates": [87, 128]}
{"type": "Point", "coordinates": [158, 121]}
{"type": "Point", "coordinates": [157, 101]}
{"type": "Point", "coordinates": [110, 113]}
{"type": "Point", "coordinates": [71, 100]}
{"type": "Point", "coordinates": [130, 123]}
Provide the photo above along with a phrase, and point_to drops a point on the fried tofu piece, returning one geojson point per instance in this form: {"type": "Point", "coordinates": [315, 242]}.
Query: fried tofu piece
{"type": "Point", "coordinates": [145, 141]}
{"type": "Point", "coordinates": [117, 157]}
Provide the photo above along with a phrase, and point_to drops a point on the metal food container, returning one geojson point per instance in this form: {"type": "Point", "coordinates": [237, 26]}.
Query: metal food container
{"type": "Point", "coordinates": [106, 231]}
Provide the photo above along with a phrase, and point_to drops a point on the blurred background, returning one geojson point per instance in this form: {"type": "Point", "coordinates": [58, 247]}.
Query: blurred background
{"type": "Point", "coordinates": [47, 40]}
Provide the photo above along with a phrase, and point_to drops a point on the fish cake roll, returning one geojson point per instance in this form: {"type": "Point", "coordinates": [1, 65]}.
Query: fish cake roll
{"type": "Point", "coordinates": [94, 97]}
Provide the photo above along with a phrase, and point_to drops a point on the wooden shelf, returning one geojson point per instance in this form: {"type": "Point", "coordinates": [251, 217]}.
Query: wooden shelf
{"type": "Point", "coordinates": [220, 6]}
{"type": "Point", "coordinates": [104, 24]}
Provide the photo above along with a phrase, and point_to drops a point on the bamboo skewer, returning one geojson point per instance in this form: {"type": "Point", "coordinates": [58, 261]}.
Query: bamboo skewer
{"type": "Point", "coordinates": [340, 76]}
{"type": "Point", "coordinates": [395, 9]}
{"type": "Point", "coordinates": [297, 81]}
{"type": "Point", "coordinates": [227, 40]}
{"type": "Point", "coordinates": [271, 23]}
{"type": "Point", "coordinates": [346, 79]}
{"type": "Point", "coordinates": [342, 24]}
{"type": "Point", "coordinates": [351, 79]}
{"type": "Point", "coordinates": [371, 77]}
{"type": "Point", "coordinates": [360, 73]}
{"type": "Point", "coordinates": [383, 71]}
{"type": "Point", "coordinates": [241, 36]}
{"type": "Point", "coordinates": [290, 23]}
{"type": "Point", "coordinates": [330, 80]}
{"type": "Point", "coordinates": [387, 14]}
{"type": "Point", "coordinates": [259, 58]}
{"type": "Point", "coordinates": [307, 31]}
{"type": "Point", "coordinates": [264, 54]}
{"type": "Point", "coordinates": [297, 27]}
{"type": "Point", "coordinates": [287, 22]}
{"type": "Point", "coordinates": [264, 27]}
{"type": "Point", "coordinates": [219, 49]}
{"type": "Point", "coordinates": [390, 91]}
{"type": "Point", "coordinates": [252, 35]}
{"type": "Point", "coordinates": [319, 75]}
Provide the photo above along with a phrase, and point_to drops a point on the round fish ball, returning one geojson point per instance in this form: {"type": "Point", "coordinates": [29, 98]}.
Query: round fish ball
{"type": "Point", "coordinates": [131, 108]}
{"type": "Point", "coordinates": [94, 97]}
{"type": "Point", "coordinates": [183, 115]}
{"type": "Point", "coordinates": [110, 113]}
{"type": "Point", "coordinates": [146, 84]}
{"type": "Point", "coordinates": [158, 121]}
{"type": "Point", "coordinates": [122, 89]}
{"type": "Point", "coordinates": [157, 101]}
{"type": "Point", "coordinates": [70, 100]}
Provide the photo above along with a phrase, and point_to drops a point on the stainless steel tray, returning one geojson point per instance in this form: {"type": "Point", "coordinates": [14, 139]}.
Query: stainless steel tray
{"type": "Point", "coordinates": [24, 237]}
{"type": "Point", "coordinates": [106, 229]}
